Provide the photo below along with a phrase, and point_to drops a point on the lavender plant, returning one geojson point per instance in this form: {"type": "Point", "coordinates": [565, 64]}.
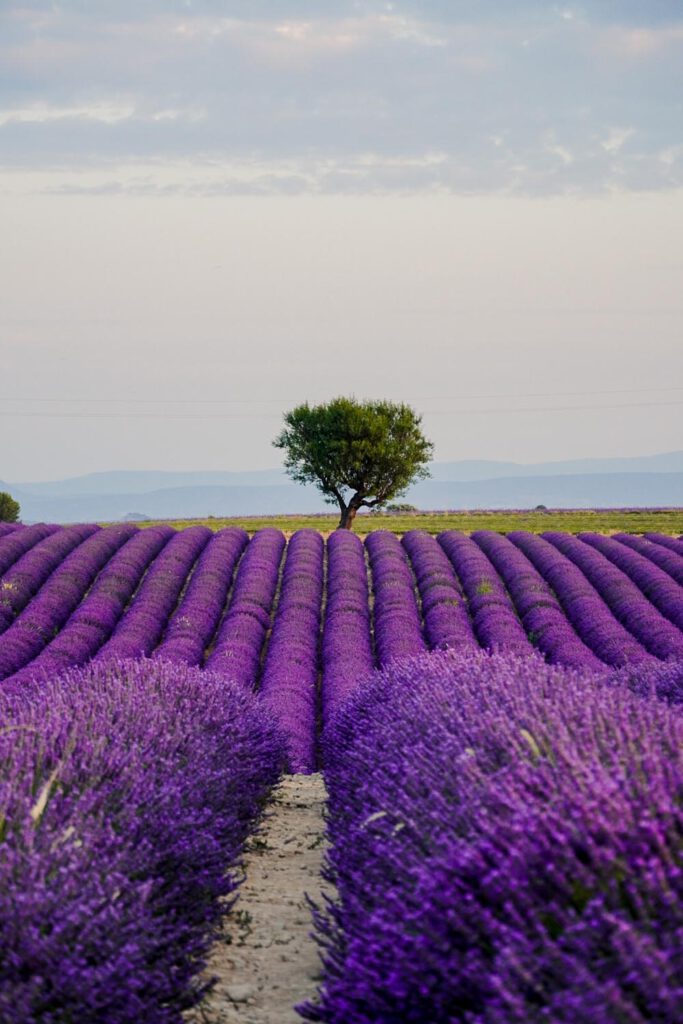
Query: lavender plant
{"type": "Point", "coordinates": [446, 619]}
{"type": "Point", "coordinates": [16, 543]}
{"type": "Point", "coordinates": [542, 616]}
{"type": "Point", "coordinates": [237, 650]}
{"type": "Point", "coordinates": [396, 617]}
{"type": "Point", "coordinates": [495, 621]}
{"type": "Point", "coordinates": [59, 596]}
{"type": "Point", "coordinates": [290, 671]}
{"type": "Point", "coordinates": [126, 792]}
{"type": "Point", "coordinates": [194, 622]}
{"type": "Point", "coordinates": [27, 575]}
{"type": "Point", "coordinates": [654, 582]}
{"type": "Point", "coordinates": [627, 603]}
{"type": "Point", "coordinates": [95, 618]}
{"type": "Point", "coordinates": [667, 558]}
{"type": "Point", "coordinates": [142, 626]}
{"type": "Point", "coordinates": [585, 609]}
{"type": "Point", "coordinates": [511, 856]}
{"type": "Point", "coordinates": [347, 654]}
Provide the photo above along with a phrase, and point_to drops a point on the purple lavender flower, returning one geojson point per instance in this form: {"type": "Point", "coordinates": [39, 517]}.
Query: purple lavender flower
{"type": "Point", "coordinates": [505, 843]}
{"type": "Point", "coordinates": [396, 617]}
{"type": "Point", "coordinates": [625, 600]}
{"type": "Point", "coordinates": [16, 544]}
{"type": "Point", "coordinates": [347, 653]}
{"type": "Point", "coordinates": [290, 672]}
{"type": "Point", "coordinates": [59, 596]}
{"type": "Point", "coordinates": [585, 609]}
{"type": "Point", "coordinates": [446, 618]}
{"type": "Point", "coordinates": [496, 623]}
{"type": "Point", "coordinates": [542, 616]}
{"type": "Point", "coordinates": [126, 794]}
{"type": "Point", "coordinates": [668, 558]}
{"type": "Point", "coordinates": [237, 650]}
{"type": "Point", "coordinates": [29, 572]}
{"type": "Point", "coordinates": [654, 582]}
{"type": "Point", "coordinates": [194, 622]}
{"type": "Point", "coordinates": [95, 618]}
{"type": "Point", "coordinates": [142, 626]}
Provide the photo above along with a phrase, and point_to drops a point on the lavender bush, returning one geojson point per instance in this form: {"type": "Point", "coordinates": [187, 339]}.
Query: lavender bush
{"type": "Point", "coordinates": [126, 792]}
{"type": "Point", "coordinates": [667, 558]}
{"type": "Point", "coordinates": [396, 617]}
{"type": "Point", "coordinates": [505, 842]}
{"type": "Point", "coordinates": [142, 626]}
{"type": "Point", "coordinates": [194, 622]}
{"type": "Point", "coordinates": [95, 618]}
{"type": "Point", "coordinates": [655, 583]}
{"type": "Point", "coordinates": [542, 616]}
{"type": "Point", "coordinates": [237, 651]}
{"type": "Point", "coordinates": [585, 609]}
{"type": "Point", "coordinates": [672, 543]}
{"type": "Point", "coordinates": [495, 621]}
{"type": "Point", "coordinates": [347, 654]}
{"type": "Point", "coordinates": [16, 544]}
{"type": "Point", "coordinates": [59, 596]}
{"type": "Point", "coordinates": [446, 618]}
{"type": "Point", "coordinates": [290, 671]}
{"type": "Point", "coordinates": [627, 603]}
{"type": "Point", "coordinates": [27, 575]}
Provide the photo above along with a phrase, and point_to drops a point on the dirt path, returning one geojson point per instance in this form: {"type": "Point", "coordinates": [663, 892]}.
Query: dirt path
{"type": "Point", "coordinates": [269, 961]}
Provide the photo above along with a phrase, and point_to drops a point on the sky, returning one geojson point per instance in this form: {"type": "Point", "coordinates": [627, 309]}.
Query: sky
{"type": "Point", "coordinates": [212, 211]}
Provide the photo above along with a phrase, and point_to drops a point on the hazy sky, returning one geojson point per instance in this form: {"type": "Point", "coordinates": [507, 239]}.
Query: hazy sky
{"type": "Point", "coordinates": [210, 211]}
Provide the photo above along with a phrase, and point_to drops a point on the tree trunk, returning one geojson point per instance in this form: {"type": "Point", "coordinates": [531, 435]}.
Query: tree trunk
{"type": "Point", "coordinates": [348, 515]}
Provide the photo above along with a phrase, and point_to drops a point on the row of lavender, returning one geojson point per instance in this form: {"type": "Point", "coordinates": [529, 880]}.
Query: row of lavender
{"type": "Point", "coordinates": [72, 594]}
{"type": "Point", "coordinates": [514, 854]}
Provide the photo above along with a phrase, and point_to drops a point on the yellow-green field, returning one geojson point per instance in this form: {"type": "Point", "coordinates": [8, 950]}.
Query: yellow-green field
{"type": "Point", "coordinates": [669, 521]}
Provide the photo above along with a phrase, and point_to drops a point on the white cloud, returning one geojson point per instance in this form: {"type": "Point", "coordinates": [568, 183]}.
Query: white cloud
{"type": "Point", "coordinates": [616, 139]}
{"type": "Point", "coordinates": [43, 113]}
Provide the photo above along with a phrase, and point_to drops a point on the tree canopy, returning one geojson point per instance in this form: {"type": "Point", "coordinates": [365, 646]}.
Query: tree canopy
{"type": "Point", "coordinates": [358, 454]}
{"type": "Point", "coordinates": [9, 508]}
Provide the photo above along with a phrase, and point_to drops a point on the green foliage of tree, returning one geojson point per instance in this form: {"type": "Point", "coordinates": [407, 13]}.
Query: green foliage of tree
{"type": "Point", "coordinates": [9, 508]}
{"type": "Point", "coordinates": [358, 454]}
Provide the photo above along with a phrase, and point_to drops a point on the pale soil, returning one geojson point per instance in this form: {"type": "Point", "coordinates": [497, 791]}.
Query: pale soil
{"type": "Point", "coordinates": [267, 960]}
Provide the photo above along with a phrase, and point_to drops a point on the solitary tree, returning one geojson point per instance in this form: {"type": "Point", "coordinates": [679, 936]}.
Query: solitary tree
{"type": "Point", "coordinates": [358, 454]}
{"type": "Point", "coordinates": [9, 508]}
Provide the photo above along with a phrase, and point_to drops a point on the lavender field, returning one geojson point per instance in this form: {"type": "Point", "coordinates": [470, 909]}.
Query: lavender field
{"type": "Point", "coordinates": [496, 718]}
{"type": "Point", "coordinates": [277, 617]}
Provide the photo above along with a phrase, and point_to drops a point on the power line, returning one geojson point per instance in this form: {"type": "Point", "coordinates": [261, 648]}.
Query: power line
{"type": "Point", "coordinates": [283, 400]}
{"type": "Point", "coordinates": [272, 415]}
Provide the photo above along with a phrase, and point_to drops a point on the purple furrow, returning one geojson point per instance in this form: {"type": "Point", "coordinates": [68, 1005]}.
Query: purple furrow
{"type": "Point", "coordinates": [541, 613]}
{"type": "Point", "coordinates": [237, 651]}
{"type": "Point", "coordinates": [194, 621]}
{"type": "Point", "coordinates": [95, 618]}
{"type": "Point", "coordinates": [585, 609]}
{"type": "Point", "coordinates": [666, 558]}
{"type": "Point", "coordinates": [495, 621]}
{"type": "Point", "coordinates": [620, 594]}
{"type": "Point", "coordinates": [657, 585]}
{"type": "Point", "coordinates": [138, 632]}
{"type": "Point", "coordinates": [290, 671]}
{"type": "Point", "coordinates": [38, 623]}
{"type": "Point", "coordinates": [15, 544]}
{"type": "Point", "coordinates": [398, 632]}
{"type": "Point", "coordinates": [347, 640]}
{"type": "Point", "coordinates": [446, 619]}
{"type": "Point", "coordinates": [674, 544]}
{"type": "Point", "coordinates": [29, 573]}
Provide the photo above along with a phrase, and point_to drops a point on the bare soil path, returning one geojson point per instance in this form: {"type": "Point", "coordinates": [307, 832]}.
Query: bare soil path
{"type": "Point", "coordinates": [267, 960]}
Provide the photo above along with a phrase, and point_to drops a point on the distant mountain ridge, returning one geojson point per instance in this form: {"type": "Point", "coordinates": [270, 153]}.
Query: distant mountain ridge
{"type": "Point", "coordinates": [648, 481]}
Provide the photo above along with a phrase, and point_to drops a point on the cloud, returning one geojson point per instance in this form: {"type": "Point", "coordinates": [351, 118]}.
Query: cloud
{"type": "Point", "coordinates": [548, 97]}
